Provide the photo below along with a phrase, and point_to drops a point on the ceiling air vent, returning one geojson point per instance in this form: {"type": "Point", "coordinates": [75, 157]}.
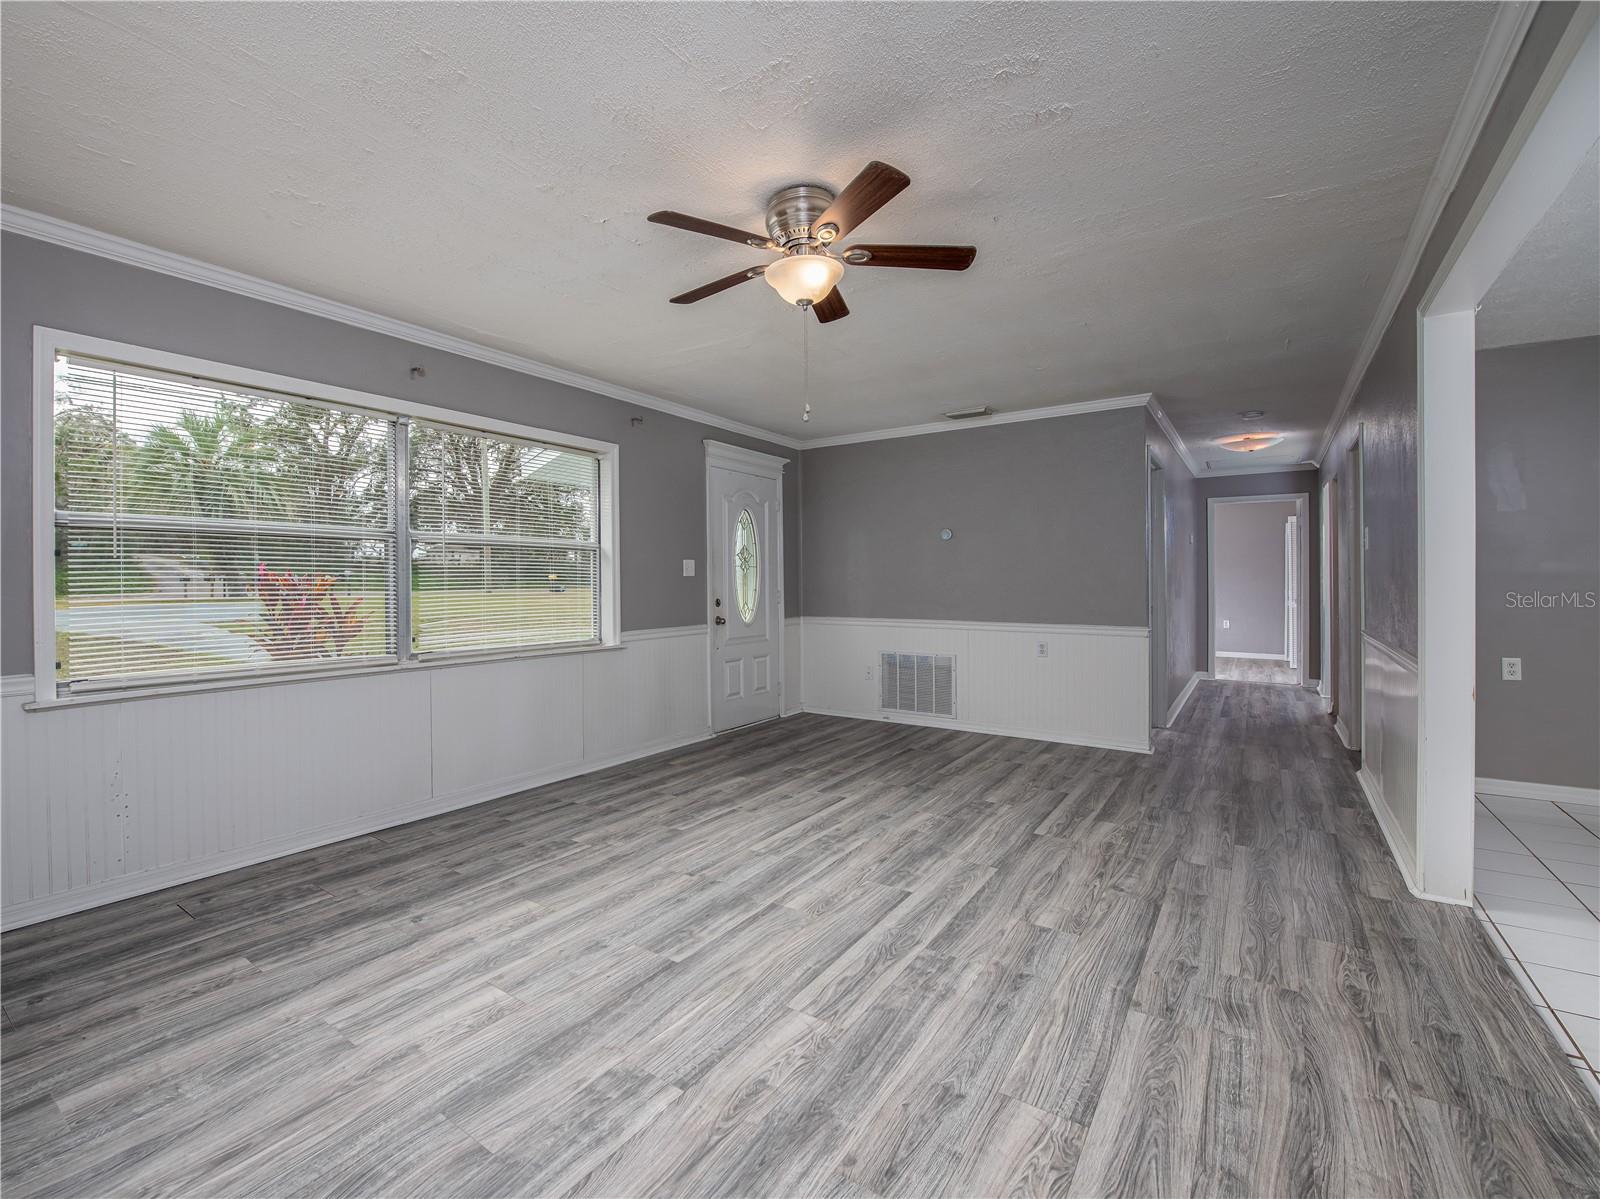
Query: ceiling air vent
{"type": "Point", "coordinates": [921, 683]}
{"type": "Point", "coordinates": [969, 413]}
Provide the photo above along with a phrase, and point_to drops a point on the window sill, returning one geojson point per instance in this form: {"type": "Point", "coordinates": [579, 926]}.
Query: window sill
{"type": "Point", "coordinates": [115, 695]}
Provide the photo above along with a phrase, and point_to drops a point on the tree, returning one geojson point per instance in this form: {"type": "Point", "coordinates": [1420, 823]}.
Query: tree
{"type": "Point", "coordinates": [212, 464]}
{"type": "Point", "coordinates": [462, 483]}
{"type": "Point", "coordinates": [87, 448]}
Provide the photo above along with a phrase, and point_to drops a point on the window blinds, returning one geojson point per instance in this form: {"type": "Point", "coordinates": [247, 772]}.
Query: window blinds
{"type": "Point", "coordinates": [204, 529]}
{"type": "Point", "coordinates": [504, 548]}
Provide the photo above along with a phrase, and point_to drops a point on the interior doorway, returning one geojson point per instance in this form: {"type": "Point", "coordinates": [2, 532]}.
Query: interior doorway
{"type": "Point", "coordinates": [1557, 132]}
{"type": "Point", "coordinates": [1257, 586]}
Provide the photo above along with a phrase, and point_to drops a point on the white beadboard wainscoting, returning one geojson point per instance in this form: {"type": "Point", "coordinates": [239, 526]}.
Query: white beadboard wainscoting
{"type": "Point", "coordinates": [108, 800]}
{"type": "Point", "coordinates": [794, 665]}
{"type": "Point", "coordinates": [1388, 775]}
{"type": "Point", "coordinates": [1090, 688]}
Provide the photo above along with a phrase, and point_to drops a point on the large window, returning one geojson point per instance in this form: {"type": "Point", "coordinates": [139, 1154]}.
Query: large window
{"type": "Point", "coordinates": [503, 545]}
{"type": "Point", "coordinates": [205, 529]}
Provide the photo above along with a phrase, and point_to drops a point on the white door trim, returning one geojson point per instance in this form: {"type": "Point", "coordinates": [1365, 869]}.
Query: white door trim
{"type": "Point", "coordinates": [720, 454]}
{"type": "Point", "coordinates": [1325, 594]}
{"type": "Point", "coordinates": [1301, 510]}
{"type": "Point", "coordinates": [1155, 543]}
{"type": "Point", "coordinates": [1556, 130]}
{"type": "Point", "coordinates": [751, 462]}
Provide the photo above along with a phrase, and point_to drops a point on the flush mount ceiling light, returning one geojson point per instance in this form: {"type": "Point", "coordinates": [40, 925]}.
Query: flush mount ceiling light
{"type": "Point", "coordinates": [1252, 414]}
{"type": "Point", "coordinates": [1249, 443]}
{"type": "Point", "coordinates": [804, 278]}
{"type": "Point", "coordinates": [804, 224]}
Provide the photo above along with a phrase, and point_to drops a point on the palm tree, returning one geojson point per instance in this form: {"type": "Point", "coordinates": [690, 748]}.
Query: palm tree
{"type": "Point", "coordinates": [212, 464]}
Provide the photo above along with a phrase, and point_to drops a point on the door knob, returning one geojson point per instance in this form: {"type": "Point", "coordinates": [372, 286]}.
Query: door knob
{"type": "Point", "coordinates": [722, 620]}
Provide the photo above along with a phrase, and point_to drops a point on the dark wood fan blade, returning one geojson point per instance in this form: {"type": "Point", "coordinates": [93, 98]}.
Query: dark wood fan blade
{"type": "Point", "coordinates": [711, 289]}
{"type": "Point", "coordinates": [831, 308]}
{"type": "Point", "coordinates": [928, 258]}
{"type": "Point", "coordinates": [710, 228]}
{"type": "Point", "coordinates": [869, 191]}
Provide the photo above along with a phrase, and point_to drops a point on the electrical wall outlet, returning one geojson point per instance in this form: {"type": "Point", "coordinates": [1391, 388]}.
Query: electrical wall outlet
{"type": "Point", "coordinates": [1044, 649]}
{"type": "Point", "coordinates": [1224, 624]}
{"type": "Point", "coordinates": [869, 674]}
{"type": "Point", "coordinates": [1511, 670]}
{"type": "Point", "coordinates": [688, 568]}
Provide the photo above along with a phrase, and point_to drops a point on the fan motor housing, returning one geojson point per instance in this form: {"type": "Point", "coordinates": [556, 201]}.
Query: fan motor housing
{"type": "Point", "coordinates": [792, 211]}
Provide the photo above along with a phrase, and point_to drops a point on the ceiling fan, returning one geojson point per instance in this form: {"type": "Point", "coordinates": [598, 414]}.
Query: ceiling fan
{"type": "Point", "coordinates": [803, 223]}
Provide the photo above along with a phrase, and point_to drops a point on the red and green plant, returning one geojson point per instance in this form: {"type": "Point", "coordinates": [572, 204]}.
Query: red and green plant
{"type": "Point", "coordinates": [301, 617]}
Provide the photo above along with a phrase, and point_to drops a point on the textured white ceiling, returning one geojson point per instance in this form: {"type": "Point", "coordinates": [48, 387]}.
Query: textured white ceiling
{"type": "Point", "coordinates": [1204, 201]}
{"type": "Point", "coordinates": [1550, 290]}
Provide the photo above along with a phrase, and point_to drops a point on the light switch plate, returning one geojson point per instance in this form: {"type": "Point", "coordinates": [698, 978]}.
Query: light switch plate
{"type": "Point", "coordinates": [1224, 624]}
{"type": "Point", "coordinates": [688, 568]}
{"type": "Point", "coordinates": [1511, 670]}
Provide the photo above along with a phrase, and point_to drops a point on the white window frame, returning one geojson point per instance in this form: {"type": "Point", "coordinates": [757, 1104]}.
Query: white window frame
{"type": "Point", "coordinates": [48, 343]}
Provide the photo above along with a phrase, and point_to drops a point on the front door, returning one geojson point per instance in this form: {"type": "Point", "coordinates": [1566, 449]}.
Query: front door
{"type": "Point", "coordinates": [745, 553]}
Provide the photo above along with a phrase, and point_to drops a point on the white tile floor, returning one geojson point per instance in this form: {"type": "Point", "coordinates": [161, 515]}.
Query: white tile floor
{"type": "Point", "coordinates": [1538, 894]}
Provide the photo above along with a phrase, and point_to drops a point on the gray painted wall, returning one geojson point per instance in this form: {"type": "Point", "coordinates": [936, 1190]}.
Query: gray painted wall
{"type": "Point", "coordinates": [1248, 572]}
{"type": "Point", "coordinates": [662, 480]}
{"type": "Point", "coordinates": [1385, 404]}
{"type": "Point", "coordinates": [1048, 522]}
{"type": "Point", "coordinates": [1186, 651]}
{"type": "Point", "coordinates": [1538, 428]}
{"type": "Point", "coordinates": [1286, 482]}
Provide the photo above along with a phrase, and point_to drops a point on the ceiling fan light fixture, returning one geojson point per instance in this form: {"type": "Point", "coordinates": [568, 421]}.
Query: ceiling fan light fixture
{"type": "Point", "coordinates": [1249, 443]}
{"type": "Point", "coordinates": [804, 278]}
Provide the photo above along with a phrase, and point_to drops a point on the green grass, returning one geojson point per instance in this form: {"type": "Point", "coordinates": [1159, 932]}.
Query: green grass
{"type": "Point", "coordinates": [438, 624]}
{"type": "Point", "coordinates": [138, 656]}
{"type": "Point", "coordinates": [436, 614]}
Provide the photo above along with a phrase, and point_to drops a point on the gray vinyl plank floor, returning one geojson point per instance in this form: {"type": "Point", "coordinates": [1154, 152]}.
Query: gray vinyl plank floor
{"type": "Point", "coordinates": [818, 957]}
{"type": "Point", "coordinates": [1254, 670]}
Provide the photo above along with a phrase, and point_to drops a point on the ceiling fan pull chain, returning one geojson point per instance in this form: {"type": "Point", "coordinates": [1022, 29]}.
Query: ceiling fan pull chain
{"type": "Point", "coordinates": [805, 365]}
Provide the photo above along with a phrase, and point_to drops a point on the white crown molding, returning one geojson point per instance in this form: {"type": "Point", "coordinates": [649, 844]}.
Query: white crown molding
{"type": "Point", "coordinates": [983, 422]}
{"type": "Point", "coordinates": [1163, 420]}
{"type": "Point", "coordinates": [1264, 468]}
{"type": "Point", "coordinates": [1506, 31]}
{"type": "Point", "coordinates": [120, 249]}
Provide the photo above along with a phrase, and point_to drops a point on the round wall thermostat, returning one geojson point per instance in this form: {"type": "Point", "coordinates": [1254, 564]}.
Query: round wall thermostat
{"type": "Point", "coordinates": [945, 534]}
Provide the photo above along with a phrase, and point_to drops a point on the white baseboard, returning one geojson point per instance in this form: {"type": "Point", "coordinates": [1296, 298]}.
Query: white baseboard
{"type": "Point", "coordinates": [1398, 849]}
{"type": "Point", "coordinates": [1588, 797]}
{"type": "Point", "coordinates": [1343, 733]}
{"type": "Point", "coordinates": [1233, 653]}
{"type": "Point", "coordinates": [1324, 688]}
{"type": "Point", "coordinates": [940, 722]}
{"type": "Point", "coordinates": [129, 886]}
{"type": "Point", "coordinates": [1176, 710]}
